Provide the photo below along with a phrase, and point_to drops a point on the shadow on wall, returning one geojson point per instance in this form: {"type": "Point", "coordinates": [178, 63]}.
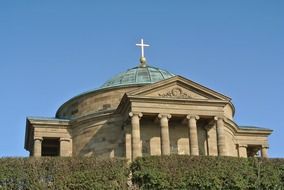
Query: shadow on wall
{"type": "Point", "coordinates": [179, 140]}
{"type": "Point", "coordinates": [178, 131]}
{"type": "Point", "coordinates": [108, 138]}
{"type": "Point", "coordinates": [150, 136]}
{"type": "Point", "coordinates": [101, 140]}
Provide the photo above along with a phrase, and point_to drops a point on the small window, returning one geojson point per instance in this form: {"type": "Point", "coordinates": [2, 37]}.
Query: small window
{"type": "Point", "coordinates": [50, 147]}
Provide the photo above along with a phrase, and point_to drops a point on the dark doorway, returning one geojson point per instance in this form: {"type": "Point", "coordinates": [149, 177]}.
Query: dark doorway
{"type": "Point", "coordinates": [253, 151]}
{"type": "Point", "coordinates": [50, 147]}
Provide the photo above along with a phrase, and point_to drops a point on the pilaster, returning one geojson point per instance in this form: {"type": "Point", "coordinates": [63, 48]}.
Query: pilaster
{"type": "Point", "coordinates": [65, 148]}
{"type": "Point", "coordinates": [243, 151]}
{"type": "Point", "coordinates": [212, 138]}
{"type": "Point", "coordinates": [128, 149]}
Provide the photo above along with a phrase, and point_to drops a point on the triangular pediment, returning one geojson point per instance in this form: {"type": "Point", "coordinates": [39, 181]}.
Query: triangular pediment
{"type": "Point", "coordinates": [178, 88]}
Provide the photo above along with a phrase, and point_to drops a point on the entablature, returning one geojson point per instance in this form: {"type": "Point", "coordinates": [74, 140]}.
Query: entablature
{"type": "Point", "coordinates": [177, 106]}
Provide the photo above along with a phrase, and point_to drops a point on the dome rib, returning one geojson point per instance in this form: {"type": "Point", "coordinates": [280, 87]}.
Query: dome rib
{"type": "Point", "coordinates": [138, 75]}
{"type": "Point", "coordinates": [161, 73]}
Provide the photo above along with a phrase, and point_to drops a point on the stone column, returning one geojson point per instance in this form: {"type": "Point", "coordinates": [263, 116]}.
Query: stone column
{"type": "Point", "coordinates": [193, 137]}
{"type": "Point", "coordinates": [243, 151]}
{"type": "Point", "coordinates": [65, 147]}
{"type": "Point", "coordinates": [264, 152]}
{"type": "Point", "coordinates": [165, 136]}
{"type": "Point", "coordinates": [37, 146]}
{"type": "Point", "coordinates": [221, 139]}
{"type": "Point", "coordinates": [135, 134]}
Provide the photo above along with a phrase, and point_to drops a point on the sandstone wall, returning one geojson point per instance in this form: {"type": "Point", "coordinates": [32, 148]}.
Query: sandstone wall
{"type": "Point", "coordinates": [92, 102]}
{"type": "Point", "coordinates": [101, 137]}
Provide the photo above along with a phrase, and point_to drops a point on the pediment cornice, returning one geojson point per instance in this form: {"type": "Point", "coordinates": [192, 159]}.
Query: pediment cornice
{"type": "Point", "coordinates": [178, 87]}
{"type": "Point", "coordinates": [138, 98]}
{"type": "Point", "coordinates": [176, 90]}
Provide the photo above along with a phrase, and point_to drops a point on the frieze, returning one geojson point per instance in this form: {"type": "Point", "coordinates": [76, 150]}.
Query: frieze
{"type": "Point", "coordinates": [175, 93]}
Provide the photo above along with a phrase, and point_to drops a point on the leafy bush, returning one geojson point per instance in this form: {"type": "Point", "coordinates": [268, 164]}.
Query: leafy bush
{"type": "Point", "coordinates": [155, 172]}
{"type": "Point", "coordinates": [184, 172]}
{"type": "Point", "coordinates": [62, 173]}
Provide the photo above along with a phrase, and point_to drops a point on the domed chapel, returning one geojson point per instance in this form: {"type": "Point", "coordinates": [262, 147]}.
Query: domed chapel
{"type": "Point", "coordinates": [145, 111]}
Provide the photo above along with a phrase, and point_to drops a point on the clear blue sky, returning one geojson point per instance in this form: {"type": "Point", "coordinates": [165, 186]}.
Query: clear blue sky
{"type": "Point", "coordinates": [51, 51]}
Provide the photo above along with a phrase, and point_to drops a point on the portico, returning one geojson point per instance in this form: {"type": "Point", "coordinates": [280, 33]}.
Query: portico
{"type": "Point", "coordinates": [180, 124]}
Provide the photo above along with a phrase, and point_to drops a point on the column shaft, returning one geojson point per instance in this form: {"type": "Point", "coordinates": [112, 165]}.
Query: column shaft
{"type": "Point", "coordinates": [221, 140]}
{"type": "Point", "coordinates": [193, 136]}
{"type": "Point", "coordinates": [37, 147]}
{"type": "Point", "coordinates": [264, 152]}
{"type": "Point", "coordinates": [165, 136]}
{"type": "Point", "coordinates": [136, 144]}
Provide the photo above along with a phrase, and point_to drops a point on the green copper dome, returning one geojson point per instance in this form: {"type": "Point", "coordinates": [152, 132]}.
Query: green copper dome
{"type": "Point", "coordinates": [138, 75]}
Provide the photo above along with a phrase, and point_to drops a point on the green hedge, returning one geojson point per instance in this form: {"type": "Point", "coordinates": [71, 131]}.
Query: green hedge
{"type": "Point", "coordinates": [184, 172]}
{"type": "Point", "coordinates": [156, 172]}
{"type": "Point", "coordinates": [63, 173]}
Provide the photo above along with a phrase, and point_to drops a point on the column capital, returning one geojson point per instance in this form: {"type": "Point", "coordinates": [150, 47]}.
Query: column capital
{"type": "Point", "coordinates": [216, 118]}
{"type": "Point", "coordinates": [265, 146]}
{"type": "Point", "coordinates": [163, 115]}
{"type": "Point", "coordinates": [243, 145]}
{"type": "Point", "coordinates": [139, 114]}
{"type": "Point", "coordinates": [64, 139]}
{"type": "Point", "coordinates": [192, 116]}
{"type": "Point", "coordinates": [38, 138]}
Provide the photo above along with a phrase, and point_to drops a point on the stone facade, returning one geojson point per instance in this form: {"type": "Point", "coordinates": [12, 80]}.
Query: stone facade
{"type": "Point", "coordinates": [171, 116]}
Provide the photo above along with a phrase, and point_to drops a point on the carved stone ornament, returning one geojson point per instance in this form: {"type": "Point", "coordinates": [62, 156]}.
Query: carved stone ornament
{"type": "Point", "coordinates": [175, 93]}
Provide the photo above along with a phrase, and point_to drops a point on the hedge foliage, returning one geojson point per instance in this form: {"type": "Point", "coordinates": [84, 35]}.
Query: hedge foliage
{"type": "Point", "coordinates": [156, 172]}
{"type": "Point", "coordinates": [184, 172]}
{"type": "Point", "coordinates": [62, 173]}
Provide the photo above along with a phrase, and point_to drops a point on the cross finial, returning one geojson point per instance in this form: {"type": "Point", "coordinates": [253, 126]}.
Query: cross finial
{"type": "Point", "coordinates": [142, 45]}
{"type": "Point", "coordinates": [142, 59]}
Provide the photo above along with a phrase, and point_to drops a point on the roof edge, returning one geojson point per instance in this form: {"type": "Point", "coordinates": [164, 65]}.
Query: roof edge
{"type": "Point", "coordinates": [253, 127]}
{"type": "Point", "coordinates": [99, 90]}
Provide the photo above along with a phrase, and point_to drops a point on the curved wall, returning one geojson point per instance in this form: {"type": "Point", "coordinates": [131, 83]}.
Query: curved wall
{"type": "Point", "coordinates": [99, 136]}
{"type": "Point", "coordinates": [95, 101]}
{"type": "Point", "coordinates": [229, 112]}
{"type": "Point", "coordinates": [231, 144]}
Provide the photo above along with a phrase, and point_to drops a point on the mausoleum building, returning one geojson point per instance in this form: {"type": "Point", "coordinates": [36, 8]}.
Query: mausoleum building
{"type": "Point", "coordinates": [145, 111]}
